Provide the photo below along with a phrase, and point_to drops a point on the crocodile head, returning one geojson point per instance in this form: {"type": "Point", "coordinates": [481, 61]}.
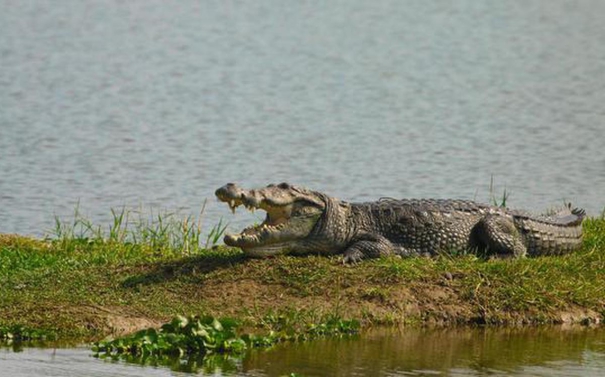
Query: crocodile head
{"type": "Point", "coordinates": [292, 214]}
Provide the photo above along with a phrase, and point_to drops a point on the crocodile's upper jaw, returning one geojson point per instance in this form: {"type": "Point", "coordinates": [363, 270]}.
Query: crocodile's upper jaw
{"type": "Point", "coordinates": [292, 213]}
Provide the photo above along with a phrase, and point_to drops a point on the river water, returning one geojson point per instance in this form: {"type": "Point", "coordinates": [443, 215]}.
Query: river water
{"type": "Point", "coordinates": [142, 103]}
{"type": "Point", "coordinates": [411, 352]}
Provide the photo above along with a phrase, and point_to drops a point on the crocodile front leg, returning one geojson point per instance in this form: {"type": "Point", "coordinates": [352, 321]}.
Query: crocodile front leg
{"type": "Point", "coordinates": [368, 246]}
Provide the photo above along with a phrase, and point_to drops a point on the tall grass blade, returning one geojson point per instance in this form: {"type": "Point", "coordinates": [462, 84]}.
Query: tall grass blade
{"type": "Point", "coordinates": [159, 230]}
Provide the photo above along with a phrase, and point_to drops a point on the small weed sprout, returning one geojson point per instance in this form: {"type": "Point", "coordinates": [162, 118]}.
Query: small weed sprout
{"type": "Point", "coordinates": [501, 202]}
{"type": "Point", "coordinates": [215, 234]}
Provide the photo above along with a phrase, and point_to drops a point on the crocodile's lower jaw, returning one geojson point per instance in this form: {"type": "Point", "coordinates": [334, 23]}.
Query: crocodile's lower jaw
{"type": "Point", "coordinates": [254, 236]}
{"type": "Point", "coordinates": [259, 250]}
{"type": "Point", "coordinates": [266, 250]}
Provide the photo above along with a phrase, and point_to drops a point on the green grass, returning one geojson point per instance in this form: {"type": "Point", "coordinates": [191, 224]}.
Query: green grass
{"type": "Point", "coordinates": [493, 199]}
{"type": "Point", "coordinates": [160, 230]}
{"type": "Point", "coordinates": [84, 282]}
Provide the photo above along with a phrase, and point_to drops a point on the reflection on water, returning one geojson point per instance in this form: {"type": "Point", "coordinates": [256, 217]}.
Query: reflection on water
{"type": "Point", "coordinates": [548, 351]}
{"type": "Point", "coordinates": [213, 364]}
{"type": "Point", "coordinates": [449, 352]}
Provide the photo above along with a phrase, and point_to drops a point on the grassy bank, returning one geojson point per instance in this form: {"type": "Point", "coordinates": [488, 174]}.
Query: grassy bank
{"type": "Point", "coordinates": [89, 285]}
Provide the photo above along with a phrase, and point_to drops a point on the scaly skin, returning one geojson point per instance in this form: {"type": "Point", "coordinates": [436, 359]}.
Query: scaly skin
{"type": "Point", "coordinates": [301, 221]}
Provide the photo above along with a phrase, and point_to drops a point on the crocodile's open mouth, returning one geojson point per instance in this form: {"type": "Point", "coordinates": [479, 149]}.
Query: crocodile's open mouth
{"type": "Point", "coordinates": [291, 215]}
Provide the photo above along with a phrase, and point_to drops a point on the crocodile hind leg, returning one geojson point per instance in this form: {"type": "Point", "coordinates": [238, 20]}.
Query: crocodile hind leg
{"type": "Point", "coordinates": [497, 235]}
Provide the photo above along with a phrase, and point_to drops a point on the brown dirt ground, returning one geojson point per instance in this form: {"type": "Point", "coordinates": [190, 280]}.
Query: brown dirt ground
{"type": "Point", "coordinates": [418, 303]}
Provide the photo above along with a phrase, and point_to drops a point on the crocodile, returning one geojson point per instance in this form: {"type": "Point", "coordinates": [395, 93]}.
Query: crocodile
{"type": "Point", "coordinates": [301, 221]}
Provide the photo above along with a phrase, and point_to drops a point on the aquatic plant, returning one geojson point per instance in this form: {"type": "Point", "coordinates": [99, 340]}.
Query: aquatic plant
{"type": "Point", "coordinates": [301, 325]}
{"type": "Point", "coordinates": [22, 333]}
{"type": "Point", "coordinates": [201, 335]}
{"type": "Point", "coordinates": [179, 337]}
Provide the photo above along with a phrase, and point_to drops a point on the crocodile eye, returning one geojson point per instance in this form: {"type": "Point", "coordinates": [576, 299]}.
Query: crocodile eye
{"type": "Point", "coordinates": [284, 185]}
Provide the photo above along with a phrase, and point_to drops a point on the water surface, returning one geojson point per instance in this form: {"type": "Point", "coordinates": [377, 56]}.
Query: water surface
{"type": "Point", "coordinates": [550, 351]}
{"type": "Point", "coordinates": [114, 103]}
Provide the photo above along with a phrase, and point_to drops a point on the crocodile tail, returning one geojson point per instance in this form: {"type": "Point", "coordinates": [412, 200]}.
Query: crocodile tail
{"type": "Point", "coordinates": [578, 212]}
{"type": "Point", "coordinates": [560, 233]}
{"type": "Point", "coordinates": [576, 215]}
{"type": "Point", "coordinates": [565, 216]}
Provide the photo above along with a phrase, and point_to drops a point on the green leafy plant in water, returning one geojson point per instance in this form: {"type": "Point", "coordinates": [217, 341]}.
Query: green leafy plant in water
{"type": "Point", "coordinates": [294, 326]}
{"type": "Point", "coordinates": [21, 333]}
{"type": "Point", "coordinates": [180, 337]}
{"type": "Point", "coordinates": [184, 337]}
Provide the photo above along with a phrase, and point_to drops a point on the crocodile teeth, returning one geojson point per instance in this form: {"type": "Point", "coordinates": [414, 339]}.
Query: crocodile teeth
{"type": "Point", "coordinates": [232, 205]}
